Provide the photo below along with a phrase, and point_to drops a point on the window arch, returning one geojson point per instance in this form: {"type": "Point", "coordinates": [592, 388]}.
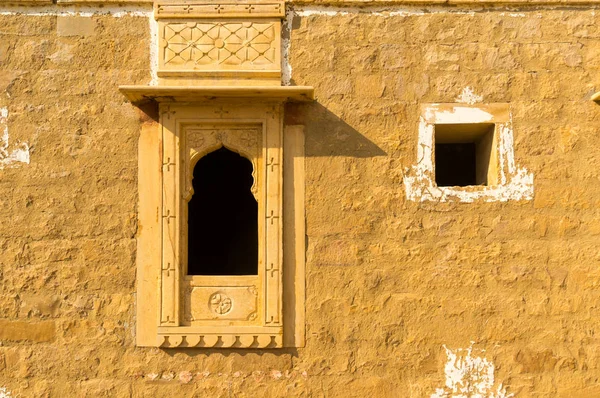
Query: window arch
{"type": "Point", "coordinates": [223, 216]}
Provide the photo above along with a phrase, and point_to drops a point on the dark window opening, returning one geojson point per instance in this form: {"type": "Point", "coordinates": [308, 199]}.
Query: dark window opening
{"type": "Point", "coordinates": [223, 217]}
{"type": "Point", "coordinates": [465, 155]}
{"type": "Point", "coordinates": [454, 165]}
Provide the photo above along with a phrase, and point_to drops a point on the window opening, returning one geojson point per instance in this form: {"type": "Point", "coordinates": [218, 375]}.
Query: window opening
{"type": "Point", "coordinates": [223, 217]}
{"type": "Point", "coordinates": [464, 156]}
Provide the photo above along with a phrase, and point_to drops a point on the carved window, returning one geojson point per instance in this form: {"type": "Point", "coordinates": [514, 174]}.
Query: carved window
{"type": "Point", "coordinates": [217, 265]}
{"type": "Point", "coordinates": [249, 305]}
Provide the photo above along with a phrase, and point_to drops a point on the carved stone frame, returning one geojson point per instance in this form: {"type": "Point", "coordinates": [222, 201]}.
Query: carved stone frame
{"type": "Point", "coordinates": [188, 133]}
{"type": "Point", "coordinates": [237, 103]}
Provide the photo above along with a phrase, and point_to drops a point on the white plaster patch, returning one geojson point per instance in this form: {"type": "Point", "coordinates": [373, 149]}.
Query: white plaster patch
{"type": "Point", "coordinates": [4, 393]}
{"type": "Point", "coordinates": [19, 154]}
{"type": "Point", "coordinates": [419, 180]}
{"type": "Point", "coordinates": [402, 11]}
{"type": "Point", "coordinates": [286, 43]}
{"type": "Point", "coordinates": [469, 97]}
{"type": "Point", "coordinates": [459, 114]}
{"type": "Point", "coordinates": [469, 376]}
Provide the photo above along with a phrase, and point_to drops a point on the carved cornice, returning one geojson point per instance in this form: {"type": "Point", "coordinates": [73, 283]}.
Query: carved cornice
{"type": "Point", "coordinates": [141, 94]}
{"type": "Point", "coordinates": [352, 3]}
{"type": "Point", "coordinates": [262, 340]}
{"type": "Point", "coordinates": [204, 9]}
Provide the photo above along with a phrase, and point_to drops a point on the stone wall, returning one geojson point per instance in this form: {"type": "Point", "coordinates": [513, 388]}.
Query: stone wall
{"type": "Point", "coordinates": [404, 298]}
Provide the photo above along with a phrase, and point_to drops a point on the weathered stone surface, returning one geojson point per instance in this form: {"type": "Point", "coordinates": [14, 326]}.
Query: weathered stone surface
{"type": "Point", "coordinates": [389, 282]}
{"type": "Point", "coordinates": [27, 331]}
{"type": "Point", "coordinates": [75, 26]}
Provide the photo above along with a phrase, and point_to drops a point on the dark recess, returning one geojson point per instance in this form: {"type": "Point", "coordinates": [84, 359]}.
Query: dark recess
{"type": "Point", "coordinates": [223, 217]}
{"type": "Point", "coordinates": [455, 165]}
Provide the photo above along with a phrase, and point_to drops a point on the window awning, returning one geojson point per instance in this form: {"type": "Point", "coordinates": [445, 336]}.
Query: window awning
{"type": "Point", "coordinates": [144, 94]}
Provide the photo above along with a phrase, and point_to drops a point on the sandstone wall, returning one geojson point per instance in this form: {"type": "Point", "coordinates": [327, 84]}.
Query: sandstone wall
{"type": "Point", "coordinates": [390, 282]}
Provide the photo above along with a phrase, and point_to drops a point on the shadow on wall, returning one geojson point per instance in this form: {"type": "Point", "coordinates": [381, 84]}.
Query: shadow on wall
{"type": "Point", "coordinates": [328, 135]}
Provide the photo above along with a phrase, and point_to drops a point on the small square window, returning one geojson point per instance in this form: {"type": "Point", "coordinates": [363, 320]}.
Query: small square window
{"type": "Point", "coordinates": [465, 154]}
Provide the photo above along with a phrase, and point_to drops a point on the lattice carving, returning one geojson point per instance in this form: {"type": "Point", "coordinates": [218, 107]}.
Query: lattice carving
{"type": "Point", "coordinates": [196, 45]}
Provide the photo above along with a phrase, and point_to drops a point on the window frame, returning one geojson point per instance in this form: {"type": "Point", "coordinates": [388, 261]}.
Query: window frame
{"type": "Point", "coordinates": [514, 183]}
{"type": "Point", "coordinates": [161, 266]}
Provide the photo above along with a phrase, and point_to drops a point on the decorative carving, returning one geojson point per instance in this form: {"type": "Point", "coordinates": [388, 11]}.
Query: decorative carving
{"type": "Point", "coordinates": [220, 304]}
{"type": "Point", "coordinates": [203, 9]}
{"type": "Point", "coordinates": [197, 44]}
{"type": "Point", "coordinates": [202, 140]}
{"type": "Point", "coordinates": [259, 340]}
{"type": "Point", "coordinates": [232, 301]}
{"type": "Point", "coordinates": [272, 217]}
{"type": "Point", "coordinates": [221, 311]}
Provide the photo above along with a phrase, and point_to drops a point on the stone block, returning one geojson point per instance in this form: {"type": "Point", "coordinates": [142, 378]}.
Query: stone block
{"type": "Point", "coordinates": [37, 332]}
{"type": "Point", "coordinates": [75, 26]}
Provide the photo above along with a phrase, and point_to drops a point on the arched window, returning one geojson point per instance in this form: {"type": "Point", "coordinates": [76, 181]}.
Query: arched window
{"type": "Point", "coordinates": [223, 217]}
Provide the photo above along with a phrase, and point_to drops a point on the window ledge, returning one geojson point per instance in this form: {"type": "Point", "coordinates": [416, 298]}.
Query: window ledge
{"type": "Point", "coordinates": [142, 94]}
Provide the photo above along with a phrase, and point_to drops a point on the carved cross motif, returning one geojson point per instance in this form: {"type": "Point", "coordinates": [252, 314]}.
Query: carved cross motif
{"type": "Point", "coordinates": [168, 216]}
{"type": "Point", "coordinates": [168, 164]}
{"type": "Point", "coordinates": [219, 8]}
{"type": "Point", "coordinates": [272, 217]}
{"type": "Point", "coordinates": [221, 112]}
{"type": "Point", "coordinates": [169, 269]}
{"type": "Point", "coordinates": [272, 270]}
{"type": "Point", "coordinates": [168, 112]}
{"type": "Point", "coordinates": [272, 163]}
{"type": "Point", "coordinates": [272, 112]}
{"type": "Point", "coordinates": [250, 8]}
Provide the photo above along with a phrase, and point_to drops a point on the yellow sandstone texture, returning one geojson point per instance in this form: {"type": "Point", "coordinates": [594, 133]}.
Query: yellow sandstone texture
{"type": "Point", "coordinates": [403, 298]}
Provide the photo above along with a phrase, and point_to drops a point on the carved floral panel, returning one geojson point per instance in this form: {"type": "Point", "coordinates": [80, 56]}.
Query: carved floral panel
{"type": "Point", "coordinates": [221, 45]}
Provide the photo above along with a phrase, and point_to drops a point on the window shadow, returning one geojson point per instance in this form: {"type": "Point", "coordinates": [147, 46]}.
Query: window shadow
{"type": "Point", "coordinates": [326, 134]}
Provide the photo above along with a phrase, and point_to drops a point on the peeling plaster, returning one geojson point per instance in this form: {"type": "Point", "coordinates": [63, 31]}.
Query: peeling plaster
{"type": "Point", "coordinates": [391, 11]}
{"type": "Point", "coordinates": [469, 376]}
{"type": "Point", "coordinates": [286, 43]}
{"type": "Point", "coordinates": [419, 180]}
{"type": "Point", "coordinates": [20, 154]}
{"type": "Point", "coordinates": [459, 114]}
{"type": "Point", "coordinates": [4, 393]}
{"type": "Point", "coordinates": [469, 97]}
